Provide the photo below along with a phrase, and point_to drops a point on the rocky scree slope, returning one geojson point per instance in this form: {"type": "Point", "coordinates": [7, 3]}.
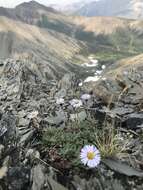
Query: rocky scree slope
{"type": "Point", "coordinates": [28, 104]}
{"type": "Point", "coordinates": [23, 90]}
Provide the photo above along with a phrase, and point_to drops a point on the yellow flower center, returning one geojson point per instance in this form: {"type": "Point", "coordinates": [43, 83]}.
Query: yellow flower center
{"type": "Point", "coordinates": [90, 155]}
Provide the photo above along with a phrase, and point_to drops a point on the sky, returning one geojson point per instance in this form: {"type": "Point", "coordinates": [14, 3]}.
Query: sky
{"type": "Point", "coordinates": [13, 3]}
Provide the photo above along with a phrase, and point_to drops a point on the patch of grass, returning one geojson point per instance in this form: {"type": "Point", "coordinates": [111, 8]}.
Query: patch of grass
{"type": "Point", "coordinates": [69, 141]}
{"type": "Point", "coordinates": [107, 141]}
{"type": "Point", "coordinates": [110, 56]}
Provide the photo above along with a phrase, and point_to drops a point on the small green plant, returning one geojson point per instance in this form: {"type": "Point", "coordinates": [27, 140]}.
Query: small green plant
{"type": "Point", "coordinates": [108, 142]}
{"type": "Point", "coordinates": [69, 141]}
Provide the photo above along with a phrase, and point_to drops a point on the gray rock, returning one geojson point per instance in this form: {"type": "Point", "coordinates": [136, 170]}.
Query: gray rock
{"type": "Point", "coordinates": [122, 168]}
{"type": "Point", "coordinates": [23, 122]}
{"type": "Point", "coordinates": [25, 136]}
{"type": "Point", "coordinates": [67, 82]}
{"type": "Point", "coordinates": [122, 111]}
{"type": "Point", "coordinates": [1, 150]}
{"type": "Point", "coordinates": [38, 178]}
{"type": "Point", "coordinates": [18, 178]}
{"type": "Point", "coordinates": [102, 114]}
{"type": "Point", "coordinates": [32, 154]}
{"type": "Point", "coordinates": [8, 127]}
{"type": "Point", "coordinates": [4, 168]}
{"type": "Point", "coordinates": [41, 180]}
{"type": "Point", "coordinates": [134, 120]}
{"type": "Point", "coordinates": [81, 116]}
{"type": "Point", "coordinates": [58, 119]}
{"type": "Point", "coordinates": [61, 94]}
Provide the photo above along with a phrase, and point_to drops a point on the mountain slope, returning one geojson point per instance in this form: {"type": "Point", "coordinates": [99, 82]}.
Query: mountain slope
{"type": "Point", "coordinates": [110, 38]}
{"type": "Point", "coordinates": [98, 25]}
{"type": "Point", "coordinates": [46, 46]}
{"type": "Point", "coordinates": [37, 14]}
{"type": "Point", "coordinates": [132, 9]}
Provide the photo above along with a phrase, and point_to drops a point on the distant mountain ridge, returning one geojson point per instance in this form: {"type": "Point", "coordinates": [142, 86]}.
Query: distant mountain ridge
{"type": "Point", "coordinates": [29, 12]}
{"type": "Point", "coordinates": [132, 9]}
{"type": "Point", "coordinates": [34, 13]}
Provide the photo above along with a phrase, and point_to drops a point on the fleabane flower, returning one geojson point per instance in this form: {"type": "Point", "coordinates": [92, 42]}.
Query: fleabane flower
{"type": "Point", "coordinates": [90, 156]}
{"type": "Point", "coordinates": [85, 97]}
{"type": "Point", "coordinates": [75, 103]}
{"type": "Point", "coordinates": [60, 101]}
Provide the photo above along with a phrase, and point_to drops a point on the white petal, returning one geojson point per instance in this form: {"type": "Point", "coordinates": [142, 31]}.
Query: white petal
{"type": "Point", "coordinates": [90, 148]}
{"type": "Point", "coordinates": [84, 150]}
{"type": "Point", "coordinates": [98, 158]}
{"type": "Point", "coordinates": [91, 163]}
{"type": "Point", "coordinates": [83, 155]}
{"type": "Point", "coordinates": [84, 161]}
{"type": "Point", "coordinates": [97, 152]}
{"type": "Point", "coordinates": [95, 149]}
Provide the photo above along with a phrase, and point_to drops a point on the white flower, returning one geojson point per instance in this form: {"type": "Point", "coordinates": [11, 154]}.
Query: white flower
{"type": "Point", "coordinates": [60, 101]}
{"type": "Point", "coordinates": [99, 72]}
{"type": "Point", "coordinates": [85, 96]}
{"type": "Point", "coordinates": [90, 156]}
{"type": "Point", "coordinates": [32, 114]}
{"type": "Point", "coordinates": [80, 84]}
{"type": "Point", "coordinates": [103, 67]}
{"type": "Point", "coordinates": [76, 103]}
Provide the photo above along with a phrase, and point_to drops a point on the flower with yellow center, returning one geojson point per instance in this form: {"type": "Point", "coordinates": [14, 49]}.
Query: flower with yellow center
{"type": "Point", "coordinates": [90, 156]}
